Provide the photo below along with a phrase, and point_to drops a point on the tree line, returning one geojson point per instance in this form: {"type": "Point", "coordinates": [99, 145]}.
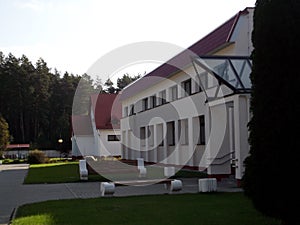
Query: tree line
{"type": "Point", "coordinates": [36, 102]}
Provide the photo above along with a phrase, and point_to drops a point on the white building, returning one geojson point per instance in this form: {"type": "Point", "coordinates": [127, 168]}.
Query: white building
{"type": "Point", "coordinates": [98, 133]}
{"type": "Point", "coordinates": [194, 111]}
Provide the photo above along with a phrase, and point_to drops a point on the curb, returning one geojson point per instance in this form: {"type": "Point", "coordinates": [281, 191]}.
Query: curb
{"type": "Point", "coordinates": [13, 215]}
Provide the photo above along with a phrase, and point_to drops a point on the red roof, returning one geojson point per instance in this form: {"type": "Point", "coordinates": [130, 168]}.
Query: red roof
{"type": "Point", "coordinates": [82, 125]}
{"type": "Point", "coordinates": [13, 146]}
{"type": "Point", "coordinates": [107, 110]}
{"type": "Point", "coordinates": [218, 38]}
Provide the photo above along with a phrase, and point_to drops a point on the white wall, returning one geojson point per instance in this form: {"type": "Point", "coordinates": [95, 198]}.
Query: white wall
{"type": "Point", "coordinates": [221, 127]}
{"type": "Point", "coordinates": [109, 148]}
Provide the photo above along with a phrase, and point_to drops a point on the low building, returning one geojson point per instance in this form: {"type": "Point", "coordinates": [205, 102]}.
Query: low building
{"type": "Point", "coordinates": [194, 109]}
{"type": "Point", "coordinates": [98, 133]}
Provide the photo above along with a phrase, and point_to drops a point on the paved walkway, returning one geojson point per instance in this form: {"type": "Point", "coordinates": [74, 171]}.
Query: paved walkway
{"type": "Point", "coordinates": [13, 193]}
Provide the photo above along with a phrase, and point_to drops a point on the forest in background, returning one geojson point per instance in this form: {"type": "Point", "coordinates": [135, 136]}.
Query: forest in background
{"type": "Point", "coordinates": [36, 101]}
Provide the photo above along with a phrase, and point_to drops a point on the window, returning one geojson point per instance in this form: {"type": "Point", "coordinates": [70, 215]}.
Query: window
{"type": "Point", "coordinates": [151, 135]}
{"type": "Point", "coordinates": [201, 140]}
{"type": "Point", "coordinates": [174, 93]}
{"type": "Point", "coordinates": [187, 87]}
{"type": "Point", "coordinates": [153, 101]}
{"type": "Point", "coordinates": [113, 138]}
{"type": "Point", "coordinates": [171, 133]}
{"type": "Point", "coordinates": [143, 136]}
{"type": "Point", "coordinates": [160, 134]}
{"type": "Point", "coordinates": [162, 97]}
{"type": "Point", "coordinates": [145, 104]}
{"type": "Point", "coordinates": [183, 131]}
{"type": "Point", "coordinates": [131, 112]}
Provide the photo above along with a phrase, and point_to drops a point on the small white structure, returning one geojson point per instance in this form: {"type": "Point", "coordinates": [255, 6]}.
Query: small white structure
{"type": "Point", "coordinates": [169, 171]}
{"type": "Point", "coordinates": [107, 188]}
{"type": "Point", "coordinates": [207, 185]}
{"type": "Point", "coordinates": [83, 172]}
{"type": "Point", "coordinates": [141, 167]}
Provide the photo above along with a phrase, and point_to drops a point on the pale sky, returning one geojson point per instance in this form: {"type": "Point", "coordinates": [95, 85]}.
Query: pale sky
{"type": "Point", "coordinates": [71, 35]}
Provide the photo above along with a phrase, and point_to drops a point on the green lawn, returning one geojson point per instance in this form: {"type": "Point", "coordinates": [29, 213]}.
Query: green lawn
{"type": "Point", "coordinates": [52, 173]}
{"type": "Point", "coordinates": [64, 172]}
{"type": "Point", "coordinates": [190, 209]}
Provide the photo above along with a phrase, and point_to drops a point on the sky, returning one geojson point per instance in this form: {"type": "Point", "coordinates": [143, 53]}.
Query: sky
{"type": "Point", "coordinates": [71, 35]}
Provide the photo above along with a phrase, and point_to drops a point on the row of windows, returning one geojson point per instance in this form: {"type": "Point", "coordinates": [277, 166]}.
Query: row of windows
{"type": "Point", "coordinates": [161, 98]}
{"type": "Point", "coordinates": [147, 133]}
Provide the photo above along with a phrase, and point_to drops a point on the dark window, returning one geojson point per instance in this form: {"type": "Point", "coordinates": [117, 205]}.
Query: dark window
{"type": "Point", "coordinates": [113, 138]}
{"type": "Point", "coordinates": [145, 104]}
{"type": "Point", "coordinates": [171, 133]}
{"type": "Point", "coordinates": [153, 101]}
{"type": "Point", "coordinates": [131, 112]}
{"type": "Point", "coordinates": [187, 87]}
{"type": "Point", "coordinates": [202, 130]}
{"type": "Point", "coordinates": [162, 97]}
{"type": "Point", "coordinates": [143, 136]}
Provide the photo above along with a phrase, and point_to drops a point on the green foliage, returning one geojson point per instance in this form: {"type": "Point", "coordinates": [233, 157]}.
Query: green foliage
{"type": "Point", "coordinates": [191, 209]}
{"type": "Point", "coordinates": [125, 80]}
{"type": "Point", "coordinates": [109, 87]}
{"type": "Point", "coordinates": [37, 157]}
{"type": "Point", "coordinates": [4, 134]}
{"type": "Point", "coordinates": [274, 154]}
{"type": "Point", "coordinates": [36, 102]}
{"type": "Point", "coordinates": [121, 83]}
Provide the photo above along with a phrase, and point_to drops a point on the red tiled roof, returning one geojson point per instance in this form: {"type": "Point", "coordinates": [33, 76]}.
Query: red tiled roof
{"type": "Point", "coordinates": [107, 110]}
{"type": "Point", "coordinates": [12, 146]}
{"type": "Point", "coordinates": [82, 125]}
{"type": "Point", "coordinates": [218, 38]}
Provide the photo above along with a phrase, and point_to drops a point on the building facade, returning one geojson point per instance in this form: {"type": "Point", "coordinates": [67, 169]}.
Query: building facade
{"type": "Point", "coordinates": [194, 109]}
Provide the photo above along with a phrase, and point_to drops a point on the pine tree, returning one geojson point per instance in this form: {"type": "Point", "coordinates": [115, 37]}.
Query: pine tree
{"type": "Point", "coordinates": [4, 135]}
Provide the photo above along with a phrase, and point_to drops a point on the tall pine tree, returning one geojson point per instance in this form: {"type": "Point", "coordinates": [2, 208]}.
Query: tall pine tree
{"type": "Point", "coordinates": [273, 165]}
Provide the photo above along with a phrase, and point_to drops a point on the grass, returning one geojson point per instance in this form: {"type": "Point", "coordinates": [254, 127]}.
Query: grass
{"type": "Point", "coordinates": [200, 209]}
{"type": "Point", "coordinates": [64, 172]}
{"type": "Point", "coordinates": [53, 173]}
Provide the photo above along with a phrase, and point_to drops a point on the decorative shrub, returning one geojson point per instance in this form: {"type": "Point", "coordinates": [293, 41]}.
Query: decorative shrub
{"type": "Point", "coordinates": [37, 157]}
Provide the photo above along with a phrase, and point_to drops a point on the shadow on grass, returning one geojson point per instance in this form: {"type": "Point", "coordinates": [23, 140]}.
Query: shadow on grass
{"type": "Point", "coordinates": [204, 209]}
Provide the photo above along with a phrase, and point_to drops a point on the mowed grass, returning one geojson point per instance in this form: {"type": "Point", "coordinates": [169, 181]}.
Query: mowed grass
{"type": "Point", "coordinates": [65, 172]}
{"type": "Point", "coordinates": [190, 209]}
{"type": "Point", "coordinates": [53, 173]}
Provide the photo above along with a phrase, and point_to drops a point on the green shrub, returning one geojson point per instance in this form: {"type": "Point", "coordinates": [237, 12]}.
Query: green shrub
{"type": "Point", "coordinates": [37, 157]}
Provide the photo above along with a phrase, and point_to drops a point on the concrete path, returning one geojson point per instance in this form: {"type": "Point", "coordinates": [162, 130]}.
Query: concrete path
{"type": "Point", "coordinates": [13, 193]}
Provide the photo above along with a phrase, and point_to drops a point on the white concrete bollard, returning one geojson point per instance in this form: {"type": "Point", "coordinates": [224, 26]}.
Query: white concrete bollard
{"type": "Point", "coordinates": [140, 162]}
{"type": "Point", "coordinates": [169, 171]}
{"type": "Point", "coordinates": [142, 171]}
{"type": "Point", "coordinates": [176, 185]}
{"type": "Point", "coordinates": [207, 185]}
{"type": "Point", "coordinates": [107, 188]}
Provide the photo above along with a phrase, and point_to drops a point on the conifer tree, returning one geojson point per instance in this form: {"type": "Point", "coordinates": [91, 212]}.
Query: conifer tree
{"type": "Point", "coordinates": [273, 165]}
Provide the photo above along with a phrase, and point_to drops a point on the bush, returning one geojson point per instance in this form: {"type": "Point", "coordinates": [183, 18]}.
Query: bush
{"type": "Point", "coordinates": [37, 157]}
